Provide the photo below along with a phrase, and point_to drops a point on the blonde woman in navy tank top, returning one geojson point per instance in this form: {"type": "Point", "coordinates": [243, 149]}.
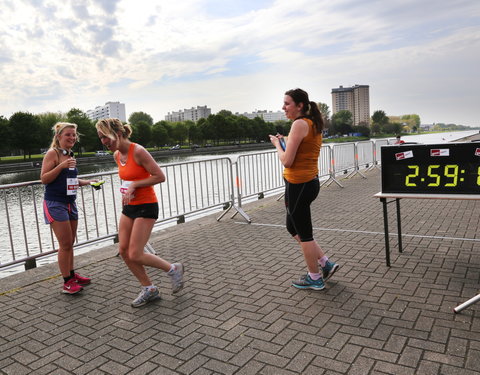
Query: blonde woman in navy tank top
{"type": "Point", "coordinates": [59, 174]}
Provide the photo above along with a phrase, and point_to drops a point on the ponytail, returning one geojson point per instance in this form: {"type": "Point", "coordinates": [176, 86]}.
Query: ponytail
{"type": "Point", "coordinates": [310, 109]}
{"type": "Point", "coordinates": [316, 116]}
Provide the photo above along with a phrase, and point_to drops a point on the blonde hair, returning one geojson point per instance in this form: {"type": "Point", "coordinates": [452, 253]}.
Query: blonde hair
{"type": "Point", "coordinates": [110, 126]}
{"type": "Point", "coordinates": [58, 129]}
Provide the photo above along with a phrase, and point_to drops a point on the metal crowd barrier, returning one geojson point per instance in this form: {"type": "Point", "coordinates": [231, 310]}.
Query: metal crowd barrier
{"type": "Point", "coordinates": [191, 189]}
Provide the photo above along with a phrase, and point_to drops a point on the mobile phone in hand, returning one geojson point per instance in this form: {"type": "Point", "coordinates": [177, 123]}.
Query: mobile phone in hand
{"type": "Point", "coordinates": [283, 145]}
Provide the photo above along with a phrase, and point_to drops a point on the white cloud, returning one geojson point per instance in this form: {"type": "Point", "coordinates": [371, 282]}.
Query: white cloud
{"type": "Point", "coordinates": [417, 57]}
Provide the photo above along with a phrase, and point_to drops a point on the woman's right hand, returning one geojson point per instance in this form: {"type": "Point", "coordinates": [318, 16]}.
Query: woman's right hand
{"type": "Point", "coordinates": [69, 163]}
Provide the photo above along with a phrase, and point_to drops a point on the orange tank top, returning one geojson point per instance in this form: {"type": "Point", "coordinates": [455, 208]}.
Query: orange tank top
{"type": "Point", "coordinates": [305, 164]}
{"type": "Point", "coordinates": [131, 171]}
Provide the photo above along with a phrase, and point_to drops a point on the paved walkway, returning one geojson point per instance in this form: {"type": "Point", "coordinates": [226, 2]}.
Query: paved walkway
{"type": "Point", "coordinates": [238, 313]}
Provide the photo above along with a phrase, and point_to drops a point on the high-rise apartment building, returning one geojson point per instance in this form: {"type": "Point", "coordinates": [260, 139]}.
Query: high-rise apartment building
{"type": "Point", "coordinates": [109, 110]}
{"type": "Point", "coordinates": [355, 99]}
{"type": "Point", "coordinates": [192, 114]}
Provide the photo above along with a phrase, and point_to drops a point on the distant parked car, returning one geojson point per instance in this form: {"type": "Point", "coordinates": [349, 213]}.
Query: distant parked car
{"type": "Point", "coordinates": [102, 153]}
{"type": "Point", "coordinates": [176, 147]}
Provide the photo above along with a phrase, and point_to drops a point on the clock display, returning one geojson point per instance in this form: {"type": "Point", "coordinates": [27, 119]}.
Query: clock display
{"type": "Point", "coordinates": [447, 168]}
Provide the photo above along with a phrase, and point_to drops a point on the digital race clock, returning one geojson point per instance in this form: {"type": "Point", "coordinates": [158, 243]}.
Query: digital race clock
{"type": "Point", "coordinates": [447, 168]}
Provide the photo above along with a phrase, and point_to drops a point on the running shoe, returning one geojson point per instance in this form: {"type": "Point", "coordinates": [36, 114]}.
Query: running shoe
{"type": "Point", "coordinates": [329, 269]}
{"type": "Point", "coordinates": [145, 296]}
{"type": "Point", "coordinates": [306, 282]}
{"type": "Point", "coordinates": [71, 287]}
{"type": "Point", "coordinates": [81, 280]}
{"type": "Point", "coordinates": [176, 277]}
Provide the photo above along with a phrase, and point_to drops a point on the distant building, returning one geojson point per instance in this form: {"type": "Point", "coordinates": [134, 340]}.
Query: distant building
{"type": "Point", "coordinates": [268, 116]}
{"type": "Point", "coordinates": [355, 99]}
{"type": "Point", "coordinates": [192, 114]}
{"type": "Point", "coordinates": [109, 110]}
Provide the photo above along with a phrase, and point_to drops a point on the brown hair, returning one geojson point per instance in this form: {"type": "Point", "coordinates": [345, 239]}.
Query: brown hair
{"type": "Point", "coordinates": [310, 109]}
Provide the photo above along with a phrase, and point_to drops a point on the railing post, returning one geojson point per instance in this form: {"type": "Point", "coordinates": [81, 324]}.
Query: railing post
{"type": "Point", "coordinates": [332, 178]}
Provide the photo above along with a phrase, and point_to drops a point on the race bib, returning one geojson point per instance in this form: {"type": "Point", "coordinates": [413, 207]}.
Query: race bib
{"type": "Point", "coordinates": [124, 187]}
{"type": "Point", "coordinates": [72, 186]}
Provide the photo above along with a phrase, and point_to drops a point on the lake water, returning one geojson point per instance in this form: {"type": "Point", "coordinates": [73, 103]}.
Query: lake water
{"type": "Point", "coordinates": [111, 167]}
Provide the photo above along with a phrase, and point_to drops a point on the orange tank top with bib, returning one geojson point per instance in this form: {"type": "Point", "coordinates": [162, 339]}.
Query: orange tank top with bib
{"type": "Point", "coordinates": [130, 171]}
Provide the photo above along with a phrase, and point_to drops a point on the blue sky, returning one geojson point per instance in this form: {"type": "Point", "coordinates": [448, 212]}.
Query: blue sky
{"type": "Point", "coordinates": [160, 56]}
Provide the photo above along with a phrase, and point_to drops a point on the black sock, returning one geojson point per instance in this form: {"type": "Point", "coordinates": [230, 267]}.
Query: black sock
{"type": "Point", "coordinates": [65, 279]}
{"type": "Point", "coordinates": [72, 273]}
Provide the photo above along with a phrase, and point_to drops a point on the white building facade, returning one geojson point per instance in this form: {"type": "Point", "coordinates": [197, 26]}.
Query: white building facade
{"type": "Point", "coordinates": [109, 110]}
{"type": "Point", "coordinates": [268, 116]}
{"type": "Point", "coordinates": [192, 114]}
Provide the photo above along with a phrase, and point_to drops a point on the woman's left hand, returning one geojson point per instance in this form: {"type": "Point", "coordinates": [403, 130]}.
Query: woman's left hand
{"type": "Point", "coordinates": [274, 139]}
{"type": "Point", "coordinates": [129, 195]}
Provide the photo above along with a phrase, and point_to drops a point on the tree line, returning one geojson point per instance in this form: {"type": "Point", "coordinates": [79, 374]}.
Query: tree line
{"type": "Point", "coordinates": [25, 133]}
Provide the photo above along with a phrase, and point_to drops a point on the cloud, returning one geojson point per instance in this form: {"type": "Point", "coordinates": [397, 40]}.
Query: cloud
{"type": "Point", "coordinates": [241, 56]}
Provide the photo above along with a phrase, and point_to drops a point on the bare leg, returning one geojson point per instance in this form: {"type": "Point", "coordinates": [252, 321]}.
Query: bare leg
{"type": "Point", "coordinates": [65, 237]}
{"type": "Point", "coordinates": [318, 249]}
{"type": "Point", "coordinates": [133, 236]}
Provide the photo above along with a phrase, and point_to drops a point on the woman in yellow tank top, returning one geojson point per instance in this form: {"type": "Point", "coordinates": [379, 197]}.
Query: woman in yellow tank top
{"type": "Point", "coordinates": [139, 173]}
{"type": "Point", "coordinates": [299, 156]}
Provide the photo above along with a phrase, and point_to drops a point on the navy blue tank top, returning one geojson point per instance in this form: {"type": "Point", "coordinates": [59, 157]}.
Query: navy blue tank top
{"type": "Point", "coordinates": [64, 187]}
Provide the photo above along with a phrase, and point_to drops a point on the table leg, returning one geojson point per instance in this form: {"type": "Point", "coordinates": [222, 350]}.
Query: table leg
{"type": "Point", "coordinates": [399, 225]}
{"type": "Point", "coordinates": [385, 226]}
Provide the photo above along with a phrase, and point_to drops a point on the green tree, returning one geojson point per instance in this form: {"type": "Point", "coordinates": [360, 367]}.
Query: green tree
{"type": "Point", "coordinates": [379, 117]}
{"type": "Point", "coordinates": [89, 140]}
{"type": "Point", "coordinates": [47, 120]}
{"type": "Point", "coordinates": [25, 130]}
{"type": "Point", "coordinates": [342, 122]}
{"type": "Point", "coordinates": [282, 126]}
{"type": "Point", "coordinates": [136, 117]}
{"type": "Point", "coordinates": [5, 135]}
{"type": "Point", "coordinates": [324, 110]}
{"type": "Point", "coordinates": [143, 133]}
{"type": "Point", "coordinates": [159, 134]}
{"type": "Point", "coordinates": [412, 121]}
{"type": "Point", "coordinates": [179, 132]}
{"type": "Point", "coordinates": [194, 132]}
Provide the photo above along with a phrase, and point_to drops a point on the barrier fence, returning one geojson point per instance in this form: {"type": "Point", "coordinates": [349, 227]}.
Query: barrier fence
{"type": "Point", "coordinates": [191, 188]}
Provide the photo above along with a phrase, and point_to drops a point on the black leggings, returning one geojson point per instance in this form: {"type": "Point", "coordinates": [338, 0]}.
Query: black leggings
{"type": "Point", "coordinates": [298, 198]}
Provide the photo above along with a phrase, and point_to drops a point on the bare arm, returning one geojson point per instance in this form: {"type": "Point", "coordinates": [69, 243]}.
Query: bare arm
{"type": "Point", "coordinates": [298, 131]}
{"type": "Point", "coordinates": [143, 158]}
{"type": "Point", "coordinates": [50, 168]}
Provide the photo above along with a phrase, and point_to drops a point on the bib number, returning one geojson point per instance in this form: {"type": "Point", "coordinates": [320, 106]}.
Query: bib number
{"type": "Point", "coordinates": [124, 187]}
{"type": "Point", "coordinates": [72, 186]}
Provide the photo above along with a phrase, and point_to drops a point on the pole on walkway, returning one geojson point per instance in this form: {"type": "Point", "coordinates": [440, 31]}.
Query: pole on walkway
{"type": "Point", "coordinates": [464, 305]}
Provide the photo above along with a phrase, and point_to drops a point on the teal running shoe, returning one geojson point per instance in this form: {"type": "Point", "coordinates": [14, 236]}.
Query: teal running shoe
{"type": "Point", "coordinates": [329, 269]}
{"type": "Point", "coordinates": [306, 282]}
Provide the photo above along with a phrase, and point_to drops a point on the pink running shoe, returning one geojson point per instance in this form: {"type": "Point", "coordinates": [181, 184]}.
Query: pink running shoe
{"type": "Point", "coordinates": [71, 287]}
{"type": "Point", "coordinates": [81, 280]}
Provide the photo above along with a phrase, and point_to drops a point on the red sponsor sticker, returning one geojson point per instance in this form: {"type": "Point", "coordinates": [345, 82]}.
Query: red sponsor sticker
{"type": "Point", "coordinates": [440, 152]}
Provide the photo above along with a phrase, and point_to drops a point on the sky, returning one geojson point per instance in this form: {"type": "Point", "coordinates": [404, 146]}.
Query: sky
{"type": "Point", "coordinates": [155, 56]}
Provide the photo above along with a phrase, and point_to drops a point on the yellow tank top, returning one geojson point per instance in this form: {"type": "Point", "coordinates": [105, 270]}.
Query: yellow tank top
{"type": "Point", "coordinates": [305, 165]}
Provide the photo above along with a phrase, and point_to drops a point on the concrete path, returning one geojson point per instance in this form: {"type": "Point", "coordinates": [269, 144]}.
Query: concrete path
{"type": "Point", "coordinates": [238, 313]}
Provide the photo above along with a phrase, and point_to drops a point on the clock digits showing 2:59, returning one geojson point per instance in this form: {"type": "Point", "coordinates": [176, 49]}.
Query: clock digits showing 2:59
{"type": "Point", "coordinates": [451, 174]}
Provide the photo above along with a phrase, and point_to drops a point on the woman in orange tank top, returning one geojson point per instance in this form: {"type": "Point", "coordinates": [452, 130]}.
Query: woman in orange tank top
{"type": "Point", "coordinates": [299, 156]}
{"type": "Point", "coordinates": [139, 173]}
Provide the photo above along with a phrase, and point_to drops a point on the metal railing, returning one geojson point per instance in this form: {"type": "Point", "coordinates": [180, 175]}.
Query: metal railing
{"type": "Point", "coordinates": [191, 188]}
